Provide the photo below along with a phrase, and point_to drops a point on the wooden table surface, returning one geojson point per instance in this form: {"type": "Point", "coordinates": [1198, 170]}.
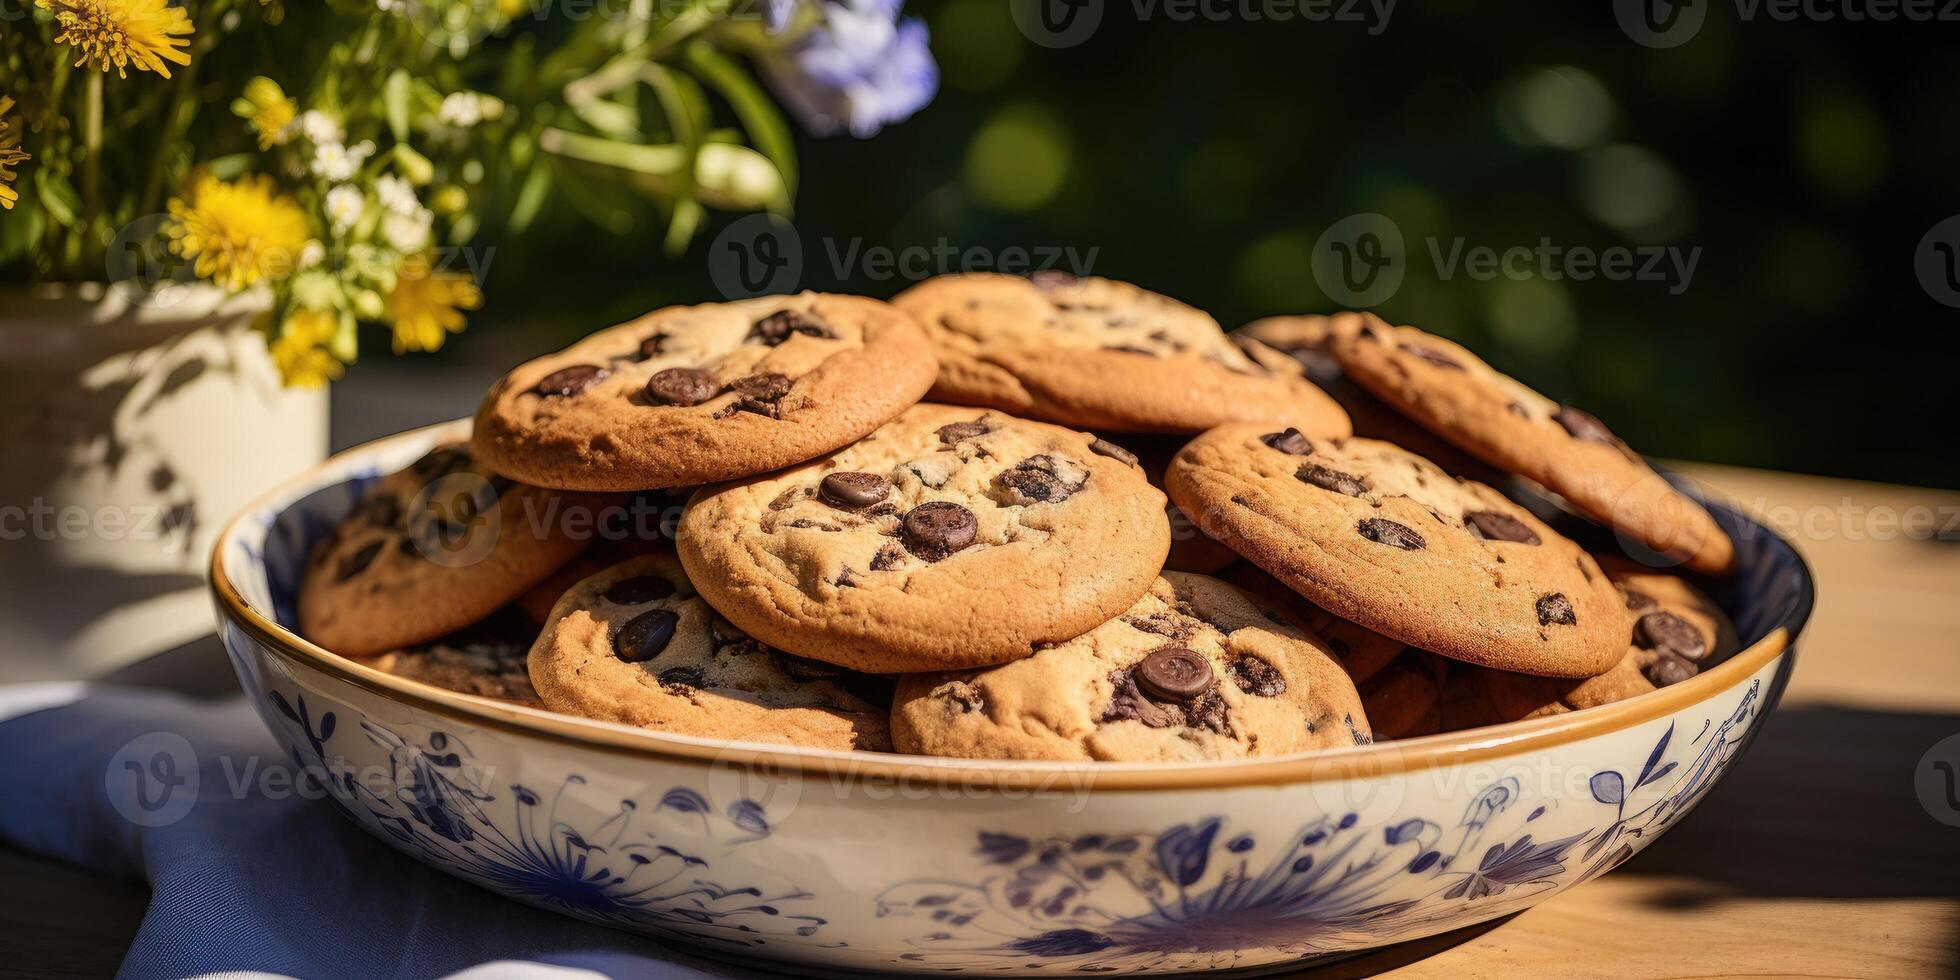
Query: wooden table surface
{"type": "Point", "coordinates": [1813, 858]}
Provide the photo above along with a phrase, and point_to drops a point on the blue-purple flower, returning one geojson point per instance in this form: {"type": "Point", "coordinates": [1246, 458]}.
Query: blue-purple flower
{"type": "Point", "coordinates": [858, 67]}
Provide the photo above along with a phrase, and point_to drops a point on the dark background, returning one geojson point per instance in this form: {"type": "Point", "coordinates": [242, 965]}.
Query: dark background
{"type": "Point", "coordinates": [1203, 159]}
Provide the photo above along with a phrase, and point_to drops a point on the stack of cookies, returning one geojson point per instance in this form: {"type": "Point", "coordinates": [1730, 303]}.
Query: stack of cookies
{"type": "Point", "coordinates": [1021, 518]}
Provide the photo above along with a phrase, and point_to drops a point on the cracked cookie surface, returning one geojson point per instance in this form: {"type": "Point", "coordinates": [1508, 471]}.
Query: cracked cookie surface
{"type": "Point", "coordinates": [1382, 537]}
{"type": "Point", "coordinates": [950, 537]}
{"type": "Point", "coordinates": [432, 549]}
{"type": "Point", "coordinates": [1453, 393]}
{"type": "Point", "coordinates": [693, 394]}
{"type": "Point", "coordinates": [636, 644]}
{"type": "Point", "coordinates": [1100, 354]}
{"type": "Point", "coordinates": [1195, 670]}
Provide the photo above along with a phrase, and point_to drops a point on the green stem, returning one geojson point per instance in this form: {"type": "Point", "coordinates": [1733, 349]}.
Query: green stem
{"type": "Point", "coordinates": [177, 118]}
{"type": "Point", "coordinates": [91, 171]}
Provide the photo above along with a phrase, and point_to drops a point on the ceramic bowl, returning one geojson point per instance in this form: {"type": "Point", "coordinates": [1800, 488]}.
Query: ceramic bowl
{"type": "Point", "coordinates": [845, 861]}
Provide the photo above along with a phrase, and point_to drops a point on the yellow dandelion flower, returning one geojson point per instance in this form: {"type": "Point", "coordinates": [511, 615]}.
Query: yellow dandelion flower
{"type": "Point", "coordinates": [427, 304]}
{"type": "Point", "coordinates": [300, 352]}
{"type": "Point", "coordinates": [120, 33]}
{"type": "Point", "coordinates": [11, 155]}
{"type": "Point", "coordinates": [268, 111]}
{"type": "Point", "coordinates": [236, 234]}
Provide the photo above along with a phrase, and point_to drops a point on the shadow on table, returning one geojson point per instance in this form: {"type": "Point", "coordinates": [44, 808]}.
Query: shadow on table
{"type": "Point", "coordinates": [1821, 806]}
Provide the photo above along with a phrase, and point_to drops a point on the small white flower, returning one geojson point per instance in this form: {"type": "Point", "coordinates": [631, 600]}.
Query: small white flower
{"type": "Point", "coordinates": [408, 232]}
{"type": "Point", "coordinates": [319, 128]}
{"type": "Point", "coordinates": [461, 109]}
{"type": "Point", "coordinates": [396, 194]}
{"type": "Point", "coordinates": [332, 161]}
{"type": "Point", "coordinates": [345, 205]}
{"type": "Point", "coordinates": [312, 253]}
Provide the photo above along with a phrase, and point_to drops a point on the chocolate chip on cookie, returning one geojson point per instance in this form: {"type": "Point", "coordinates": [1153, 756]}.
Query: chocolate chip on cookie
{"type": "Point", "coordinates": [1175, 674]}
{"type": "Point", "coordinates": [644, 636]}
{"type": "Point", "coordinates": [1383, 531]}
{"type": "Point", "coordinates": [1554, 609]}
{"type": "Point", "coordinates": [1328, 478]}
{"type": "Point", "coordinates": [1290, 442]}
{"type": "Point", "coordinates": [1668, 634]}
{"type": "Point", "coordinates": [939, 528]}
{"type": "Point", "coordinates": [854, 491]}
{"type": "Point", "coordinates": [681, 386]}
{"type": "Point", "coordinates": [954, 433]}
{"type": "Point", "coordinates": [1492, 525]}
{"type": "Point", "coordinates": [1042, 479]}
{"type": "Point", "coordinates": [781, 325]}
{"type": "Point", "coordinates": [570, 381]}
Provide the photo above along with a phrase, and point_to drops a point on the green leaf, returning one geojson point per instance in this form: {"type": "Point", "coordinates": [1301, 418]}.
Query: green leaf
{"type": "Point", "coordinates": [610, 118]}
{"type": "Point", "coordinates": [688, 214]}
{"type": "Point", "coordinates": [530, 198]}
{"type": "Point", "coordinates": [58, 197]}
{"type": "Point", "coordinates": [662, 160]}
{"type": "Point", "coordinates": [394, 99]}
{"type": "Point", "coordinates": [231, 166]}
{"type": "Point", "coordinates": [767, 129]}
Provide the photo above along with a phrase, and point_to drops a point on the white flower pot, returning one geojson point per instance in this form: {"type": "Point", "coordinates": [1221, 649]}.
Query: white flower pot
{"type": "Point", "coordinates": [134, 422]}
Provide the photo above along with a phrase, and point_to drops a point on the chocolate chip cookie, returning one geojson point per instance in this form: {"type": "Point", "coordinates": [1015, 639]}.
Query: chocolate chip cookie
{"type": "Point", "coordinates": [693, 394]}
{"type": "Point", "coordinates": [1454, 394]}
{"type": "Point", "coordinates": [949, 538]}
{"type": "Point", "coordinates": [1676, 630]}
{"type": "Point", "coordinates": [1195, 670]}
{"type": "Point", "coordinates": [1305, 339]}
{"type": "Point", "coordinates": [1382, 537]}
{"type": "Point", "coordinates": [487, 661]}
{"type": "Point", "coordinates": [434, 548]}
{"type": "Point", "coordinates": [1099, 354]}
{"type": "Point", "coordinates": [636, 644]}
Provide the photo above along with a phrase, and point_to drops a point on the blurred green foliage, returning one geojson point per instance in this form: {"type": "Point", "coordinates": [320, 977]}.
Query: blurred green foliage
{"type": "Point", "coordinates": [1203, 159]}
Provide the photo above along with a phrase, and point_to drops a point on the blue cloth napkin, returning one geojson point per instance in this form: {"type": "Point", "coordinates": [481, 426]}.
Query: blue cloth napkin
{"type": "Point", "coordinates": [247, 875]}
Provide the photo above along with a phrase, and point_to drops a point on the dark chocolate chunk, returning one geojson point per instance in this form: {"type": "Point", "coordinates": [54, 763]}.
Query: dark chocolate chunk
{"type": "Point", "coordinates": [784, 324]}
{"type": "Point", "coordinates": [937, 529]}
{"type": "Point", "coordinates": [1328, 478]}
{"type": "Point", "coordinates": [682, 677]}
{"type": "Point", "coordinates": [853, 491]}
{"type": "Point", "coordinates": [1255, 676]}
{"type": "Point", "coordinates": [1555, 608]}
{"type": "Point", "coordinates": [1040, 480]}
{"type": "Point", "coordinates": [1670, 634]}
{"type": "Point", "coordinates": [954, 433]}
{"type": "Point", "coordinates": [1290, 442]}
{"type": "Point", "coordinates": [1046, 279]}
{"type": "Point", "coordinates": [1174, 674]}
{"type": "Point", "coordinates": [1432, 355]}
{"type": "Point", "coordinates": [644, 636]}
{"type": "Point", "coordinates": [570, 381]}
{"type": "Point", "coordinates": [1669, 669]}
{"type": "Point", "coordinates": [1492, 525]}
{"type": "Point", "coordinates": [1384, 531]}
{"type": "Point", "coordinates": [1582, 425]}
{"type": "Point", "coordinates": [681, 386]}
